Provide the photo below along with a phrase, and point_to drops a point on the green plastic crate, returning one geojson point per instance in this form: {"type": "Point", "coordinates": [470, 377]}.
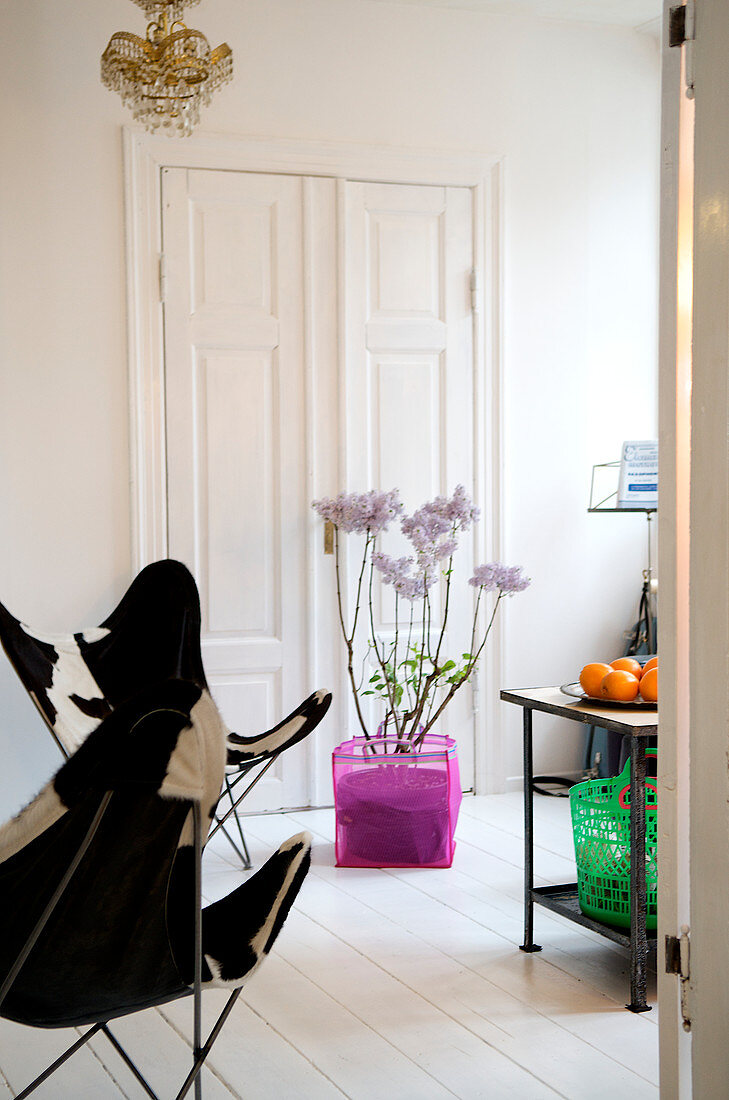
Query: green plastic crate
{"type": "Point", "coordinates": [601, 830]}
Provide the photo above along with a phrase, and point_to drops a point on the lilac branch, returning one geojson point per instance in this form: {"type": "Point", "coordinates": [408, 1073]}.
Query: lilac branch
{"type": "Point", "coordinates": [389, 685]}
{"type": "Point", "coordinates": [348, 641]}
{"type": "Point", "coordinates": [421, 677]}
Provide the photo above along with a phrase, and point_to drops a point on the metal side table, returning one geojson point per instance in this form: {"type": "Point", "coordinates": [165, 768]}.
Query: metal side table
{"type": "Point", "coordinates": [638, 724]}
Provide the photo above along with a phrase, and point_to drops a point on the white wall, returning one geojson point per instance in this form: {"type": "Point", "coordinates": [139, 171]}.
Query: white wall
{"type": "Point", "coordinates": [574, 112]}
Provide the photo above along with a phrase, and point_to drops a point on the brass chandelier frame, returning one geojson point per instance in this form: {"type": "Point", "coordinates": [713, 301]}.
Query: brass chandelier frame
{"type": "Point", "coordinates": [167, 76]}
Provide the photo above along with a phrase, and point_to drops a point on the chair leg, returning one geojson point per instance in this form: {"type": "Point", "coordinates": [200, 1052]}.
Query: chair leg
{"type": "Point", "coordinates": [244, 855]}
{"type": "Point", "coordinates": [245, 862]}
{"type": "Point", "coordinates": [59, 1061]}
{"type": "Point", "coordinates": [201, 1052]}
{"type": "Point", "coordinates": [247, 858]}
{"type": "Point", "coordinates": [220, 819]}
{"type": "Point", "coordinates": [200, 1049]}
{"type": "Point", "coordinates": [204, 1050]}
{"type": "Point", "coordinates": [197, 989]}
{"type": "Point", "coordinates": [125, 1057]}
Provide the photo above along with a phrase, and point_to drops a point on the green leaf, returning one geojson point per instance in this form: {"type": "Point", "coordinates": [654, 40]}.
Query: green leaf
{"type": "Point", "coordinates": [448, 666]}
{"type": "Point", "coordinates": [467, 656]}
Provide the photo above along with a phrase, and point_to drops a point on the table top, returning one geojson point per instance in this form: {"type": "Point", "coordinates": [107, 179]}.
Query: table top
{"type": "Point", "coordinates": [636, 721]}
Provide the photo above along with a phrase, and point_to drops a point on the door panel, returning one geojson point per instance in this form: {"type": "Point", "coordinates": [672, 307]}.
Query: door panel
{"type": "Point", "coordinates": [236, 442]}
{"type": "Point", "coordinates": [409, 376]}
{"type": "Point", "coordinates": [237, 401]}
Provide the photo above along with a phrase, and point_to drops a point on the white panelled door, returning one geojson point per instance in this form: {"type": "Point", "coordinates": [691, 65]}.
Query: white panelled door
{"type": "Point", "coordinates": [245, 282]}
{"type": "Point", "coordinates": [235, 441]}
{"type": "Point", "coordinates": [409, 378]}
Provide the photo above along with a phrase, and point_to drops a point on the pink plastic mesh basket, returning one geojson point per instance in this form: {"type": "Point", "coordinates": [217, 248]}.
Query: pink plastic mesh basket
{"type": "Point", "coordinates": [396, 808]}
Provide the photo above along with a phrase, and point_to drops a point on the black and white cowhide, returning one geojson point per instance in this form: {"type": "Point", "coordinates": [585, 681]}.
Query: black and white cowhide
{"type": "Point", "coordinates": [122, 937]}
{"type": "Point", "coordinates": [152, 635]}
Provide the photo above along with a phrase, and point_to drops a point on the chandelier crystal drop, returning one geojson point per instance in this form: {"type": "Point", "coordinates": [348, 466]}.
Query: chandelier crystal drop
{"type": "Point", "coordinates": [168, 76]}
{"type": "Point", "coordinates": [172, 7]}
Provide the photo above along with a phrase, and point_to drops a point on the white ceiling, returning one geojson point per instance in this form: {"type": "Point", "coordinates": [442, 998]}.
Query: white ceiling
{"type": "Point", "coordinates": [621, 13]}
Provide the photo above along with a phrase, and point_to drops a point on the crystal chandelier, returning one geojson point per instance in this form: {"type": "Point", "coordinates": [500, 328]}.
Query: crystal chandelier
{"type": "Point", "coordinates": [166, 77]}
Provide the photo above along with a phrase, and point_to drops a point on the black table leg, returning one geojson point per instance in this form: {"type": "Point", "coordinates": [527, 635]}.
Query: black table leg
{"type": "Point", "coordinates": [529, 944]}
{"type": "Point", "coordinates": [638, 888]}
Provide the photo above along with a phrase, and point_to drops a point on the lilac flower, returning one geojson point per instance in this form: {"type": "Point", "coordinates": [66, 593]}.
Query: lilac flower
{"type": "Point", "coordinates": [456, 512]}
{"type": "Point", "coordinates": [397, 572]}
{"type": "Point", "coordinates": [461, 510]}
{"type": "Point", "coordinates": [446, 548]}
{"type": "Point", "coordinates": [361, 512]}
{"type": "Point", "coordinates": [415, 586]}
{"type": "Point", "coordinates": [507, 578]}
{"type": "Point", "coordinates": [392, 569]}
{"type": "Point", "coordinates": [425, 527]}
{"type": "Point", "coordinates": [411, 588]}
{"type": "Point", "coordinates": [432, 529]}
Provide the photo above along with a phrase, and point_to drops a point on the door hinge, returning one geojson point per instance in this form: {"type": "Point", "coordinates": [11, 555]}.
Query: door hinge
{"type": "Point", "coordinates": [677, 26]}
{"type": "Point", "coordinates": [475, 291]}
{"type": "Point", "coordinates": [682, 32]}
{"type": "Point", "coordinates": [162, 277]}
{"type": "Point", "coordinates": [678, 961]}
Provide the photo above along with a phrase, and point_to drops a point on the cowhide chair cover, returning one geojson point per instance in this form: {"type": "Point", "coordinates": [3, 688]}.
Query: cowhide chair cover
{"type": "Point", "coordinates": [78, 679]}
{"type": "Point", "coordinates": [121, 936]}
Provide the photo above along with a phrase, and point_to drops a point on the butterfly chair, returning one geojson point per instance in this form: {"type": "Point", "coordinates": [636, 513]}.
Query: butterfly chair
{"type": "Point", "coordinates": [77, 679]}
{"type": "Point", "coordinates": [100, 877]}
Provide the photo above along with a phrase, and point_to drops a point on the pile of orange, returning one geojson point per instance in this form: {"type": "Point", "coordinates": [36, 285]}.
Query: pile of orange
{"type": "Point", "coordinates": [621, 680]}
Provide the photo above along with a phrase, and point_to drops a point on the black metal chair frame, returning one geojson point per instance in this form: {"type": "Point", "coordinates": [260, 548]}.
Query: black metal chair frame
{"type": "Point", "coordinates": [244, 855]}
{"type": "Point", "coordinates": [221, 818]}
{"type": "Point", "coordinates": [201, 1049]}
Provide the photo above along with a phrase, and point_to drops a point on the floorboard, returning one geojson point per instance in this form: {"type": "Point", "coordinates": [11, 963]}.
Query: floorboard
{"type": "Point", "coordinates": [404, 984]}
{"type": "Point", "coordinates": [251, 1055]}
{"type": "Point", "coordinates": [467, 938]}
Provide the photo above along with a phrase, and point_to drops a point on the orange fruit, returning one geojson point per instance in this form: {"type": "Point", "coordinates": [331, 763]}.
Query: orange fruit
{"type": "Point", "coordinates": [628, 664]}
{"type": "Point", "coordinates": [592, 676]}
{"type": "Point", "coordinates": [653, 663]}
{"type": "Point", "coordinates": [619, 685]}
{"type": "Point", "coordinates": [649, 685]}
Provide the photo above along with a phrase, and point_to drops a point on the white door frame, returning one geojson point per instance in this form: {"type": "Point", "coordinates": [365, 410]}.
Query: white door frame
{"type": "Point", "coordinates": [709, 554]}
{"type": "Point", "coordinates": [144, 157]}
{"type": "Point", "coordinates": [696, 708]}
{"type": "Point", "coordinates": [673, 555]}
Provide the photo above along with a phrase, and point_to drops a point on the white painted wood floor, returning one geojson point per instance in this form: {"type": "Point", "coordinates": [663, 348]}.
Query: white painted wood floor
{"type": "Point", "coordinates": [404, 985]}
